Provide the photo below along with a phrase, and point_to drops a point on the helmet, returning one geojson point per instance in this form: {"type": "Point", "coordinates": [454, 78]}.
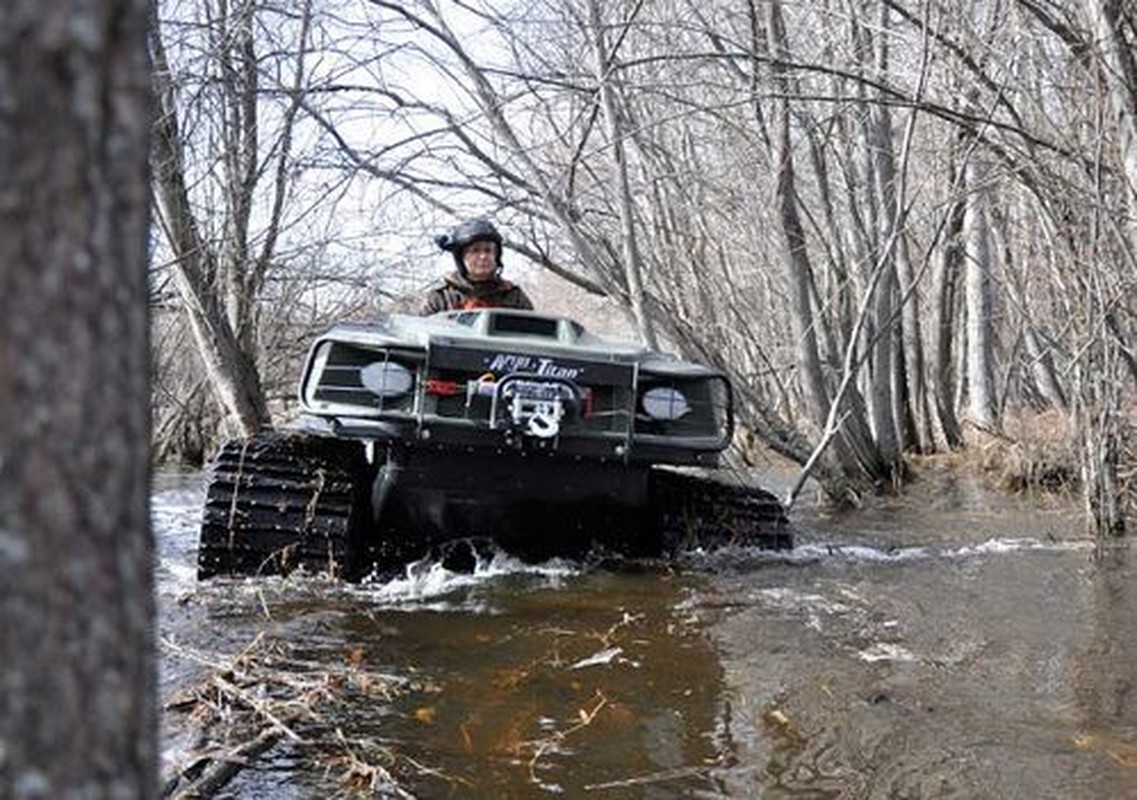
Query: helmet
{"type": "Point", "coordinates": [468, 232]}
{"type": "Point", "coordinates": [473, 230]}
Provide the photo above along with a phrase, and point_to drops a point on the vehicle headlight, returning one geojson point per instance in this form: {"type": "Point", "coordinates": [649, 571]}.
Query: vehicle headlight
{"type": "Point", "coordinates": [665, 403]}
{"type": "Point", "coordinates": [386, 378]}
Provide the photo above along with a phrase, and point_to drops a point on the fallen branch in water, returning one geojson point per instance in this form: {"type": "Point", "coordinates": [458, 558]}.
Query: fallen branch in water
{"type": "Point", "coordinates": [553, 741]}
{"type": "Point", "coordinates": [663, 776]}
{"type": "Point", "coordinates": [364, 774]}
{"type": "Point", "coordinates": [210, 774]}
{"type": "Point", "coordinates": [245, 705]}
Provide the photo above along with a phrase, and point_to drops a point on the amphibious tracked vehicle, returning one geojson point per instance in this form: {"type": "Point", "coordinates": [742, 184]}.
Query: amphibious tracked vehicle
{"type": "Point", "coordinates": [513, 426]}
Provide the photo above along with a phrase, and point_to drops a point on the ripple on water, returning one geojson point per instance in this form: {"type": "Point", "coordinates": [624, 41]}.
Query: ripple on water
{"type": "Point", "coordinates": [902, 661]}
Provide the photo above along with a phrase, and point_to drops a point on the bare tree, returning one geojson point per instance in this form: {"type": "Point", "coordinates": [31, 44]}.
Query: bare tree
{"type": "Point", "coordinates": [77, 684]}
{"type": "Point", "coordinates": [979, 288]}
{"type": "Point", "coordinates": [786, 190]}
{"type": "Point", "coordinates": [241, 251]}
{"type": "Point", "coordinates": [808, 356]}
{"type": "Point", "coordinates": [944, 293]}
{"type": "Point", "coordinates": [1113, 32]}
{"type": "Point", "coordinates": [606, 73]}
{"type": "Point", "coordinates": [211, 280]}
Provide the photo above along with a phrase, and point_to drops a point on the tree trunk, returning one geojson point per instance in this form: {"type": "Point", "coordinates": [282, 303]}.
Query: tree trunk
{"type": "Point", "coordinates": [241, 158]}
{"type": "Point", "coordinates": [793, 235]}
{"type": "Point", "coordinates": [835, 418]}
{"type": "Point", "coordinates": [980, 346]}
{"type": "Point", "coordinates": [886, 320]}
{"type": "Point", "coordinates": [78, 712]}
{"type": "Point", "coordinates": [633, 266]}
{"type": "Point", "coordinates": [922, 437]}
{"type": "Point", "coordinates": [231, 369]}
{"type": "Point", "coordinates": [1120, 73]}
{"type": "Point", "coordinates": [945, 283]}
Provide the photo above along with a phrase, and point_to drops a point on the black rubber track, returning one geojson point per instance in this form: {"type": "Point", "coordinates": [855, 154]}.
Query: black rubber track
{"type": "Point", "coordinates": [278, 501]}
{"type": "Point", "coordinates": [697, 511]}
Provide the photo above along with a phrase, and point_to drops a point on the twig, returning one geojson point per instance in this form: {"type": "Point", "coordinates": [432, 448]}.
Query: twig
{"type": "Point", "coordinates": [262, 689]}
{"type": "Point", "coordinates": [543, 746]}
{"type": "Point", "coordinates": [642, 780]}
{"type": "Point", "coordinates": [257, 706]}
{"type": "Point", "coordinates": [215, 773]}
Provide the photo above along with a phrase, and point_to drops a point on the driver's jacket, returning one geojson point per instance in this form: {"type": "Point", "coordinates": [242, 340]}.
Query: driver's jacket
{"type": "Point", "coordinates": [457, 293]}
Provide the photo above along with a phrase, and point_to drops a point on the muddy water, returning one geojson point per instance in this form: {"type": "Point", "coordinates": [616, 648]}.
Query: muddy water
{"type": "Point", "coordinates": [953, 644]}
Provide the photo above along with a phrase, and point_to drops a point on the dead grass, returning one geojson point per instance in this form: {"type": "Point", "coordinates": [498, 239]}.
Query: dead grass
{"type": "Point", "coordinates": [1034, 451]}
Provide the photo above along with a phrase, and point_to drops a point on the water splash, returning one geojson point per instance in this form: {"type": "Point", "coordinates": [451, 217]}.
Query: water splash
{"type": "Point", "coordinates": [886, 651]}
{"type": "Point", "coordinates": [812, 552]}
{"type": "Point", "coordinates": [175, 515]}
{"type": "Point", "coordinates": [432, 583]}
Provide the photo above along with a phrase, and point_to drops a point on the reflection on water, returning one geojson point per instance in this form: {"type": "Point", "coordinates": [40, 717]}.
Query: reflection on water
{"type": "Point", "coordinates": [947, 646]}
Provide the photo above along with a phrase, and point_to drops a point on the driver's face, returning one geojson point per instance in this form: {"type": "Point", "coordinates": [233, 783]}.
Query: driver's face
{"type": "Point", "coordinates": [480, 260]}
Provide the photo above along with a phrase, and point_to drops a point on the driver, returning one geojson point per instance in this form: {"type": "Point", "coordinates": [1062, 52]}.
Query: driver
{"type": "Point", "coordinates": [476, 283]}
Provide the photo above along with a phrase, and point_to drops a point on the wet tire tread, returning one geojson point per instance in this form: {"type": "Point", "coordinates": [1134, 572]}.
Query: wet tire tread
{"type": "Point", "coordinates": [275, 502]}
{"type": "Point", "coordinates": [702, 511]}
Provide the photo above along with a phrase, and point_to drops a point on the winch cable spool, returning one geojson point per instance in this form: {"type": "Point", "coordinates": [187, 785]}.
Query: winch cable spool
{"type": "Point", "coordinates": [543, 422]}
{"type": "Point", "coordinates": [536, 403]}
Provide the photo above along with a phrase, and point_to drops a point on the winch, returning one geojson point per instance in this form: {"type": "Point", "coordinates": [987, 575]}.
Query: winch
{"type": "Point", "coordinates": [534, 406]}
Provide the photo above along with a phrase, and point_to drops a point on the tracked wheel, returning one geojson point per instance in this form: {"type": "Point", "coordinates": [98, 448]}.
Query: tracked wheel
{"type": "Point", "coordinates": [279, 501]}
{"type": "Point", "coordinates": [697, 511]}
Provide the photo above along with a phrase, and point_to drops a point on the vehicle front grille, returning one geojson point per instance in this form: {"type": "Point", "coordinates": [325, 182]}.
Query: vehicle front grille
{"type": "Point", "coordinates": [605, 388]}
{"type": "Point", "coordinates": [341, 382]}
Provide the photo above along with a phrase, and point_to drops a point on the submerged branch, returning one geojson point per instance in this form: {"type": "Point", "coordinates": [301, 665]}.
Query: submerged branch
{"type": "Point", "coordinates": [249, 703]}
